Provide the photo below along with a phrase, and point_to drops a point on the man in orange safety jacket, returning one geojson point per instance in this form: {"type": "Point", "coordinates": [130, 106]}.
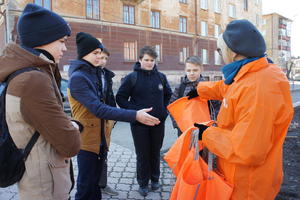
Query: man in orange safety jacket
{"type": "Point", "coordinates": [255, 114]}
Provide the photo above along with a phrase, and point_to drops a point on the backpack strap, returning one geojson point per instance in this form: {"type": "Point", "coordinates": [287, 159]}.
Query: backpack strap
{"type": "Point", "coordinates": [162, 79]}
{"type": "Point", "coordinates": [20, 71]}
{"type": "Point", "coordinates": [36, 135]}
{"type": "Point", "coordinates": [30, 144]}
{"type": "Point", "coordinates": [182, 87]}
{"type": "Point", "coordinates": [133, 78]}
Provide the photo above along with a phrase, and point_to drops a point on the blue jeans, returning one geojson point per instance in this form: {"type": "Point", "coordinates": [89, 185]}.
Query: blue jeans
{"type": "Point", "coordinates": [89, 171]}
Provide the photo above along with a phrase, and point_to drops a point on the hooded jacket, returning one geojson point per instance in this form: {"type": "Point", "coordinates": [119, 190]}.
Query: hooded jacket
{"type": "Point", "coordinates": [89, 106]}
{"type": "Point", "coordinates": [33, 103]}
{"type": "Point", "coordinates": [252, 124]}
{"type": "Point", "coordinates": [148, 91]}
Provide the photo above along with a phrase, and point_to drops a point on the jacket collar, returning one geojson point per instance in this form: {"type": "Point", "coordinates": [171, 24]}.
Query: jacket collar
{"type": "Point", "coordinates": [252, 67]}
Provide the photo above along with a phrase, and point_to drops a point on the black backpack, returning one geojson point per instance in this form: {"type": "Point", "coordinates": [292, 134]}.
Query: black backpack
{"type": "Point", "coordinates": [12, 159]}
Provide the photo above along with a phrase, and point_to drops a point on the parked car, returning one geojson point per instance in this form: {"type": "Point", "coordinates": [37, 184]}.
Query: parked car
{"type": "Point", "coordinates": [64, 86]}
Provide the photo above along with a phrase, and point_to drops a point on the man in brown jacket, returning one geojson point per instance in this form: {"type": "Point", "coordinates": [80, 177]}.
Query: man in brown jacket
{"type": "Point", "coordinates": [34, 103]}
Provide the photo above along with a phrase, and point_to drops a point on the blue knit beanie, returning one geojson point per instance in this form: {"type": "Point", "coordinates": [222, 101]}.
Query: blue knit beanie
{"type": "Point", "coordinates": [38, 26]}
{"type": "Point", "coordinates": [243, 38]}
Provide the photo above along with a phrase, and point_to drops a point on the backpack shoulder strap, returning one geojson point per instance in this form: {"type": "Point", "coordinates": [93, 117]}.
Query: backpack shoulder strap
{"type": "Point", "coordinates": [133, 78]}
{"type": "Point", "coordinates": [182, 87]}
{"type": "Point", "coordinates": [36, 135]}
{"type": "Point", "coordinates": [162, 79]}
{"type": "Point", "coordinates": [20, 71]}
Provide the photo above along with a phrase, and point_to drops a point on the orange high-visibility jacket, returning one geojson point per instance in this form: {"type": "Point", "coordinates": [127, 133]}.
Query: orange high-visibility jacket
{"type": "Point", "coordinates": [252, 124]}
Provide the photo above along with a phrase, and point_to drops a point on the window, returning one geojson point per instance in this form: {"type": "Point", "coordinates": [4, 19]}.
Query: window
{"type": "Point", "coordinates": [182, 25]}
{"type": "Point", "coordinates": [206, 78]}
{"type": "Point", "coordinates": [92, 9]}
{"type": "Point", "coordinates": [217, 30]}
{"type": "Point", "coordinates": [282, 32]}
{"type": "Point", "coordinates": [203, 28]}
{"type": "Point", "coordinates": [183, 54]}
{"type": "Point", "coordinates": [217, 58]}
{"type": "Point", "coordinates": [246, 5]}
{"type": "Point", "coordinates": [288, 29]}
{"type": "Point", "coordinates": [203, 4]}
{"type": "Point", "coordinates": [128, 14]}
{"type": "Point", "coordinates": [182, 1]}
{"type": "Point", "coordinates": [264, 21]}
{"type": "Point", "coordinates": [231, 11]}
{"type": "Point", "coordinates": [217, 6]}
{"type": "Point", "coordinates": [217, 78]}
{"type": "Point", "coordinates": [204, 56]}
{"type": "Point", "coordinates": [257, 1]}
{"type": "Point", "coordinates": [257, 20]}
{"type": "Point", "coordinates": [43, 3]}
{"type": "Point", "coordinates": [155, 19]}
{"type": "Point", "coordinates": [130, 53]}
{"type": "Point", "coordinates": [158, 51]}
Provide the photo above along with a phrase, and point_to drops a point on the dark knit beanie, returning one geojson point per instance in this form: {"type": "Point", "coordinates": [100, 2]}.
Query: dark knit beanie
{"type": "Point", "coordinates": [243, 38]}
{"type": "Point", "coordinates": [86, 43]}
{"type": "Point", "coordinates": [38, 26]}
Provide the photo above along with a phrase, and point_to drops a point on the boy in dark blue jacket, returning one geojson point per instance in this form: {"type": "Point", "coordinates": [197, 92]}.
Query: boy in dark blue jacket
{"type": "Point", "coordinates": [92, 105]}
{"type": "Point", "coordinates": [146, 87]}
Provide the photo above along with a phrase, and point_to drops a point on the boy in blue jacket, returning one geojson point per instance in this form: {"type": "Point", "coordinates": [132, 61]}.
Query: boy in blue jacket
{"type": "Point", "coordinates": [146, 87]}
{"type": "Point", "coordinates": [89, 99]}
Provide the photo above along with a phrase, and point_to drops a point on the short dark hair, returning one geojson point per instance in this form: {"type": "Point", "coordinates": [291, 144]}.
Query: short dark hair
{"type": "Point", "coordinates": [196, 60]}
{"type": "Point", "coordinates": [105, 50]}
{"type": "Point", "coordinates": [148, 50]}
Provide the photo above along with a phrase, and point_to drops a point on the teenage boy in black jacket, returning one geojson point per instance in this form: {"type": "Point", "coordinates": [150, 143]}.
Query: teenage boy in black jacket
{"type": "Point", "coordinates": [146, 87]}
{"type": "Point", "coordinates": [110, 100]}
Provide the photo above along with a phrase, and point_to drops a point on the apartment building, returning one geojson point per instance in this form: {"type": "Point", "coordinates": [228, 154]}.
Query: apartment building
{"type": "Point", "coordinates": [277, 33]}
{"type": "Point", "coordinates": [177, 28]}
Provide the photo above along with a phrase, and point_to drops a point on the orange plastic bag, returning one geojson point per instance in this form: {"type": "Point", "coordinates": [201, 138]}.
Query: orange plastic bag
{"type": "Point", "coordinates": [194, 183]}
{"type": "Point", "coordinates": [189, 180]}
{"type": "Point", "coordinates": [187, 112]}
{"type": "Point", "coordinates": [197, 180]}
{"type": "Point", "coordinates": [214, 186]}
{"type": "Point", "coordinates": [179, 150]}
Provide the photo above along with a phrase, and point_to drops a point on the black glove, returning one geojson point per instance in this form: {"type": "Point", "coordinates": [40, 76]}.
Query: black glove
{"type": "Point", "coordinates": [201, 128]}
{"type": "Point", "coordinates": [192, 94]}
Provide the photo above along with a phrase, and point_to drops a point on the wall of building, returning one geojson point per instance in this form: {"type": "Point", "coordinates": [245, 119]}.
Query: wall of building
{"type": "Point", "coordinates": [113, 32]}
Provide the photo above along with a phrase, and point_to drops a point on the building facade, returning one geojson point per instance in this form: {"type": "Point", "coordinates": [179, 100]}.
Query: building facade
{"type": "Point", "coordinates": [177, 28]}
{"type": "Point", "coordinates": [277, 33]}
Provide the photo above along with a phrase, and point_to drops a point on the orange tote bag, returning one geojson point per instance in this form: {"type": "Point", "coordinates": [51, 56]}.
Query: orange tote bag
{"type": "Point", "coordinates": [189, 180]}
{"type": "Point", "coordinates": [187, 112]}
{"type": "Point", "coordinates": [214, 185]}
{"type": "Point", "coordinates": [179, 150]}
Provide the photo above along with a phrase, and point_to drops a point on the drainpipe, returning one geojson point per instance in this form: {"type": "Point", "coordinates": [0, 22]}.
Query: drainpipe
{"type": "Point", "coordinates": [196, 29]}
{"type": "Point", "coordinates": [8, 34]}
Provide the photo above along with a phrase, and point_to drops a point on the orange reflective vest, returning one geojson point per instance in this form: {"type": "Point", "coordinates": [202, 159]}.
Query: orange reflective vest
{"type": "Point", "coordinates": [252, 124]}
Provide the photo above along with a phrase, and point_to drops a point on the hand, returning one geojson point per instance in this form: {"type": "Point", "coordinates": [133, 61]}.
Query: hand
{"type": "Point", "coordinates": [201, 128]}
{"type": "Point", "coordinates": [143, 117]}
{"type": "Point", "coordinates": [192, 94]}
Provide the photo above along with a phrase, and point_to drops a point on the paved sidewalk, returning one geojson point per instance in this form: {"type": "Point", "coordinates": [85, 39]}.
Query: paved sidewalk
{"type": "Point", "coordinates": [121, 176]}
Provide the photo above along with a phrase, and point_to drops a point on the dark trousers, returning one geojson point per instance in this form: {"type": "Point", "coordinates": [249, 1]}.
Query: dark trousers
{"type": "Point", "coordinates": [103, 176]}
{"type": "Point", "coordinates": [148, 141]}
{"type": "Point", "coordinates": [89, 169]}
